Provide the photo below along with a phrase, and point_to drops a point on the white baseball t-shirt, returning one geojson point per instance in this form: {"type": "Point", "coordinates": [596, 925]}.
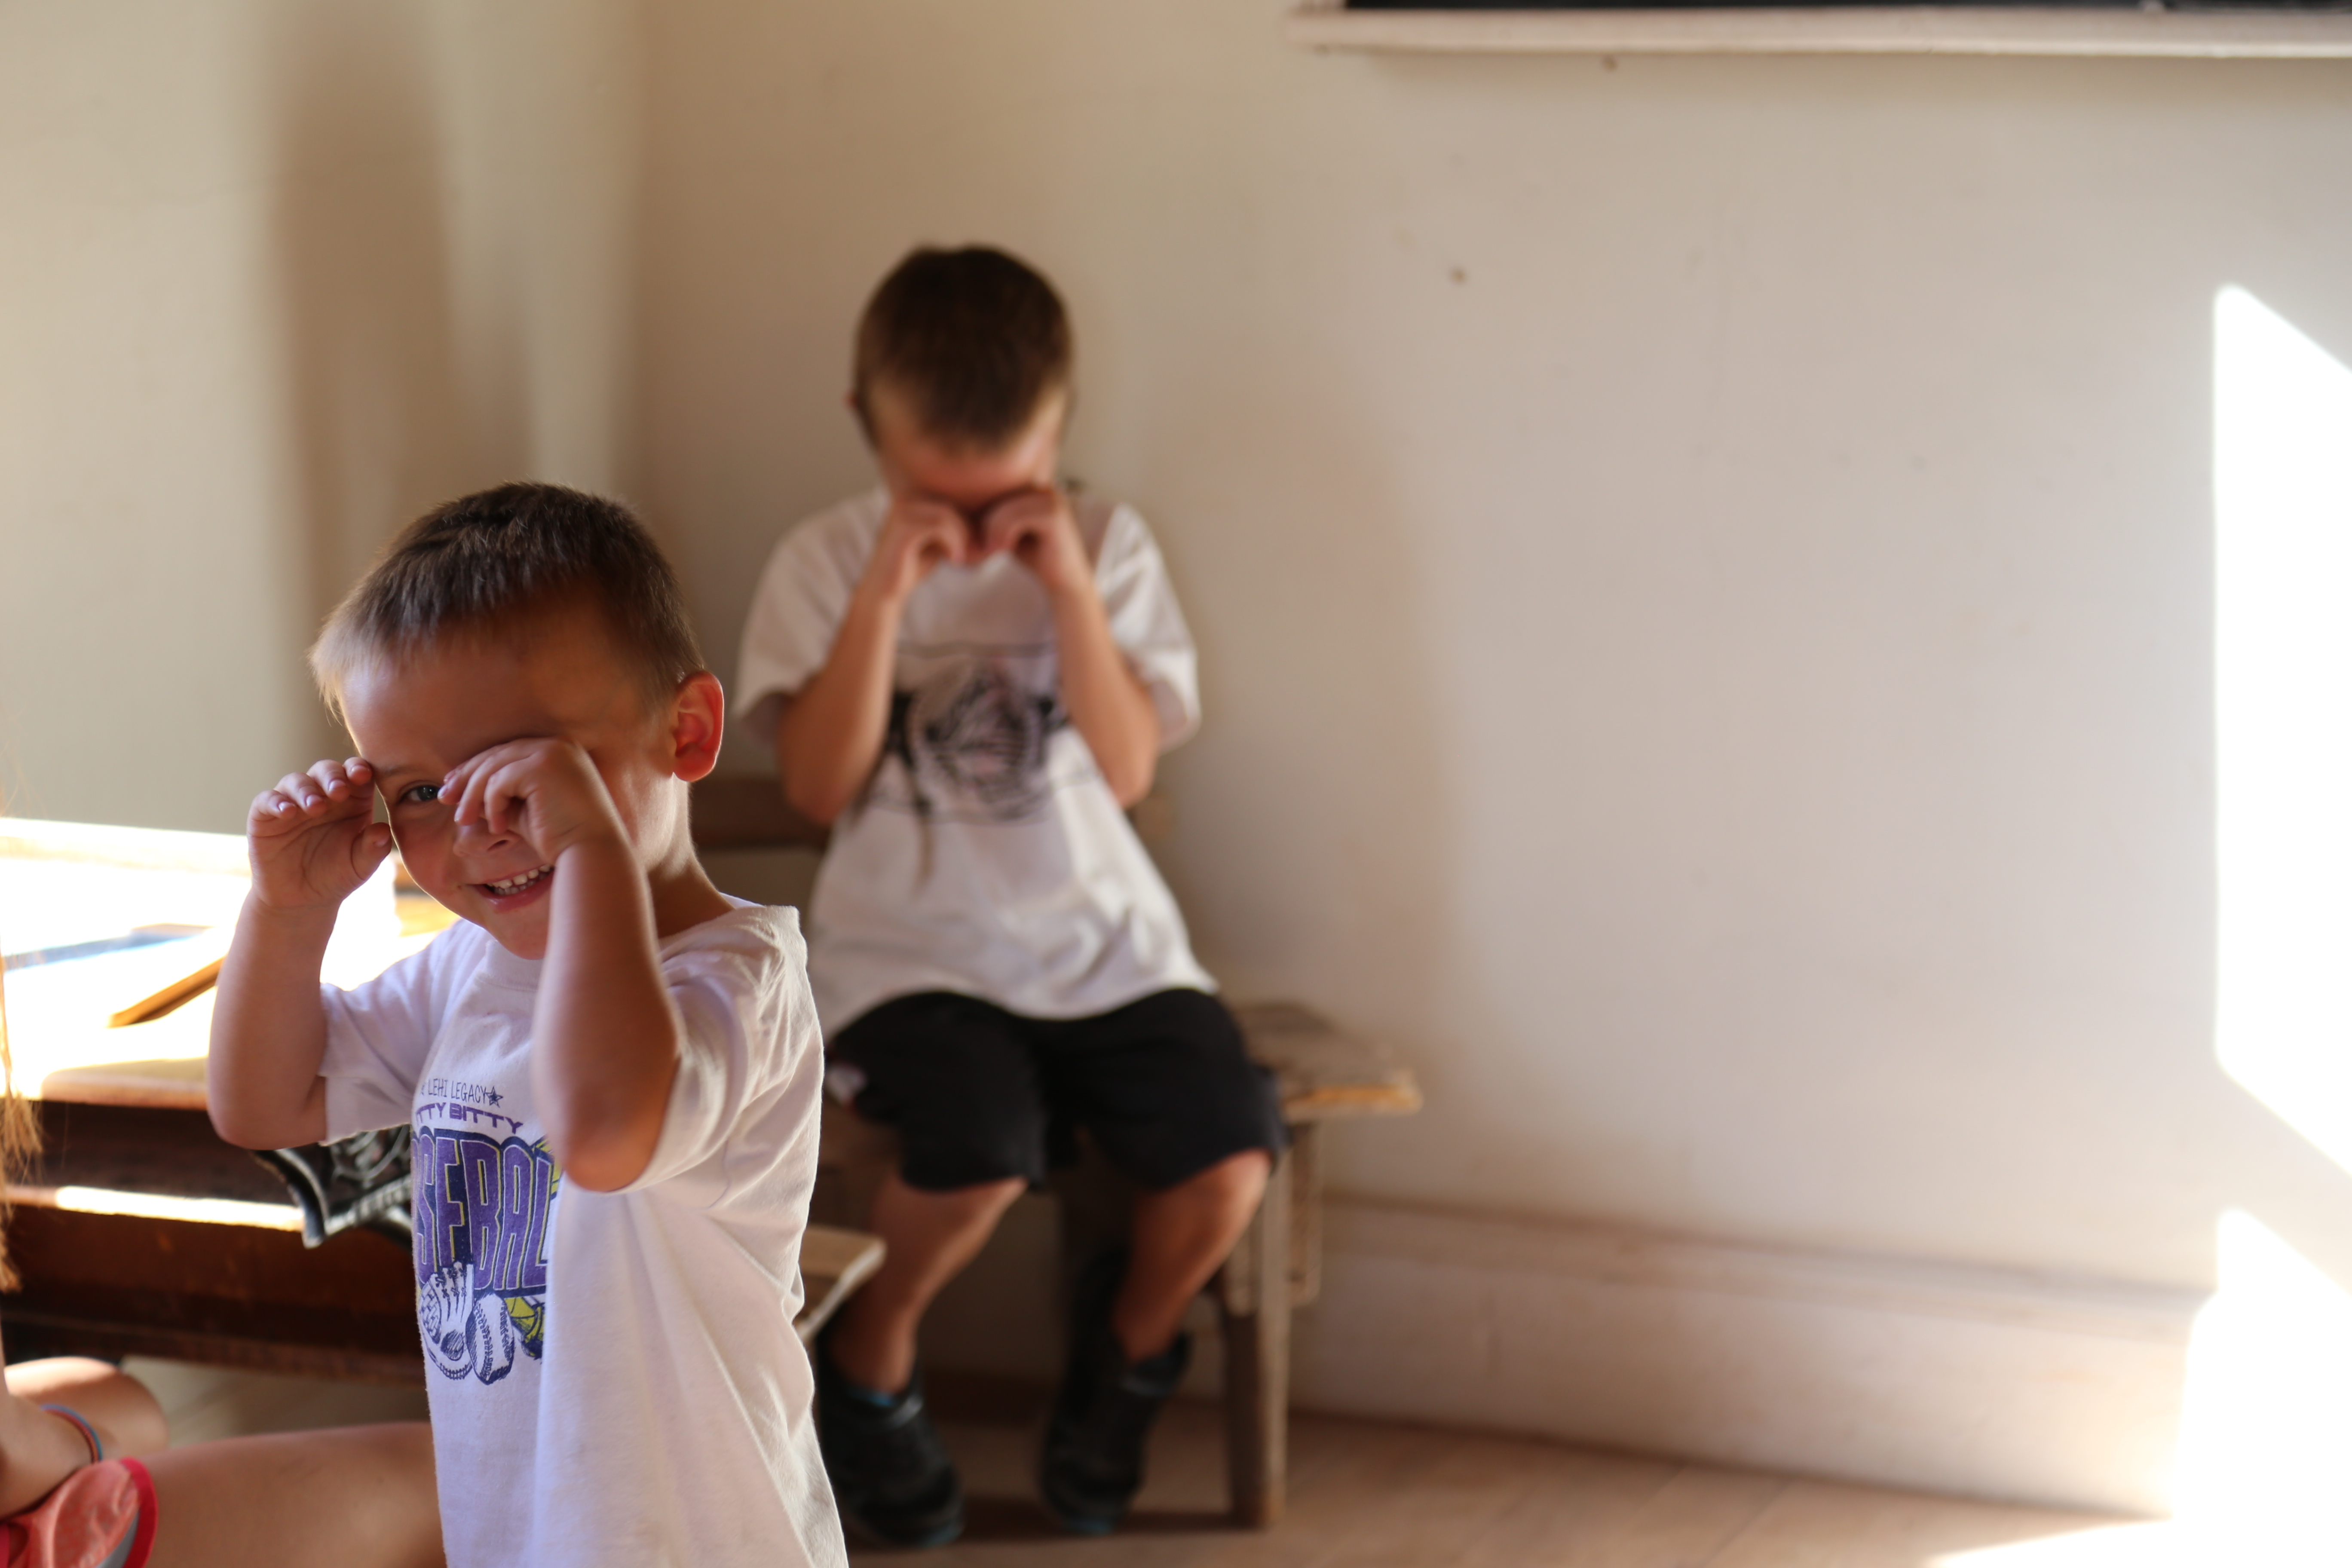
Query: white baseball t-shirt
{"type": "Point", "coordinates": [614, 1376]}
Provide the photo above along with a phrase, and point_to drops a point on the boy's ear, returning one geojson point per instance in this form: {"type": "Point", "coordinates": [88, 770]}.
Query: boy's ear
{"type": "Point", "coordinates": [698, 724]}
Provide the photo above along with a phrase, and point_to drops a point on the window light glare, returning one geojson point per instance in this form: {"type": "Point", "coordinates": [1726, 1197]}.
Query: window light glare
{"type": "Point", "coordinates": [2282, 687]}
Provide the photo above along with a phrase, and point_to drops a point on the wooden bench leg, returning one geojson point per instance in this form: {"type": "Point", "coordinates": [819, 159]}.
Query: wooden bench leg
{"type": "Point", "coordinates": [1255, 1303]}
{"type": "Point", "coordinates": [1306, 1214]}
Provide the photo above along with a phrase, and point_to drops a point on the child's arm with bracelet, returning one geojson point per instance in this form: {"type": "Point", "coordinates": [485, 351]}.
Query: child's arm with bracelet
{"type": "Point", "coordinates": [605, 1037]}
{"type": "Point", "coordinates": [64, 1412]}
{"type": "Point", "coordinates": [313, 841]}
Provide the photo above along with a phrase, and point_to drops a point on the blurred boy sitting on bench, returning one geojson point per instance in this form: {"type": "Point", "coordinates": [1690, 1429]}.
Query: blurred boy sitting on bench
{"type": "Point", "coordinates": [969, 672]}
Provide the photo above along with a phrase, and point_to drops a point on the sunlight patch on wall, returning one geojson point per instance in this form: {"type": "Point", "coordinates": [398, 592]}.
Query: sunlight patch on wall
{"type": "Point", "coordinates": [2283, 678]}
{"type": "Point", "coordinates": [2266, 1430]}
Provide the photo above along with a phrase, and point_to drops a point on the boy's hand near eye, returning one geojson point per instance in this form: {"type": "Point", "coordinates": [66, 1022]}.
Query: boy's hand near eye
{"type": "Point", "coordinates": [544, 792]}
{"type": "Point", "coordinates": [1041, 530]}
{"type": "Point", "coordinates": [917, 536]}
{"type": "Point", "coordinates": [605, 1034]}
{"type": "Point", "coordinates": [313, 839]}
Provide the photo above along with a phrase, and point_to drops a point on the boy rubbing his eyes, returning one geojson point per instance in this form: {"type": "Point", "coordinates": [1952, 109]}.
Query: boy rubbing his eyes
{"type": "Point", "coordinates": [968, 672]}
{"type": "Point", "coordinates": [612, 1069]}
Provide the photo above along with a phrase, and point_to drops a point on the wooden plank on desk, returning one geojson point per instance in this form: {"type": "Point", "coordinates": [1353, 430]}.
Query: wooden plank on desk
{"type": "Point", "coordinates": [169, 1083]}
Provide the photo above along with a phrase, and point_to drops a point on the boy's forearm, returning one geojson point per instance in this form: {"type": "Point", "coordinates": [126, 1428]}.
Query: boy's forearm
{"type": "Point", "coordinates": [605, 1036]}
{"type": "Point", "coordinates": [1109, 704]}
{"type": "Point", "coordinates": [831, 736]}
{"type": "Point", "coordinates": [269, 1030]}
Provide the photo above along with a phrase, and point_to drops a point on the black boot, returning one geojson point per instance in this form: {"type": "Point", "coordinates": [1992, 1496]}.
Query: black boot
{"type": "Point", "coordinates": [1093, 1464]}
{"type": "Point", "coordinates": [891, 1475]}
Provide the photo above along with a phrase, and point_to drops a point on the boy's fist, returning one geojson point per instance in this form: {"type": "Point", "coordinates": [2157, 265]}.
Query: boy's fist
{"type": "Point", "coordinates": [546, 793]}
{"type": "Point", "coordinates": [314, 839]}
{"type": "Point", "coordinates": [1041, 530]}
{"type": "Point", "coordinates": [917, 536]}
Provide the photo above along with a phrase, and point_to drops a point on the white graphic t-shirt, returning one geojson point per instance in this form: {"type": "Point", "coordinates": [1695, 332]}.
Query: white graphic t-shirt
{"type": "Point", "coordinates": [987, 856]}
{"type": "Point", "coordinates": [614, 1376]}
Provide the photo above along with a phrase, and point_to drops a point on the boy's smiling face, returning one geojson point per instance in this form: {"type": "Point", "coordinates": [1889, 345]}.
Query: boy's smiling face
{"type": "Point", "coordinates": [558, 677]}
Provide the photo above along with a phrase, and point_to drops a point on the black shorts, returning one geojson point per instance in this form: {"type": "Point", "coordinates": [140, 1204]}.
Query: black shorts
{"type": "Point", "coordinates": [1164, 1084]}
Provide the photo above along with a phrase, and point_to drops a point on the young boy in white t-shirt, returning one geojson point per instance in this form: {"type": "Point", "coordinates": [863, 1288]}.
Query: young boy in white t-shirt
{"type": "Point", "coordinates": [969, 673]}
{"type": "Point", "coordinates": [612, 1069]}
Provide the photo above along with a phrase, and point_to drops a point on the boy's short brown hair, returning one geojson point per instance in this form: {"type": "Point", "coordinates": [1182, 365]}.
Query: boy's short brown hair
{"type": "Point", "coordinates": [975, 341]}
{"type": "Point", "coordinates": [476, 563]}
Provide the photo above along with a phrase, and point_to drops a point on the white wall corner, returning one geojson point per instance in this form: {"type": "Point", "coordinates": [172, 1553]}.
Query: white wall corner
{"type": "Point", "coordinates": [2019, 1387]}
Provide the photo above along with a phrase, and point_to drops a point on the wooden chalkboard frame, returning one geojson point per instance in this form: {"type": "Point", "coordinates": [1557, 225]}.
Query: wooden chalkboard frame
{"type": "Point", "coordinates": [2304, 31]}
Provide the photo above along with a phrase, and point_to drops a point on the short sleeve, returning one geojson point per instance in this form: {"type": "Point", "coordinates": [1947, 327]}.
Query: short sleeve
{"type": "Point", "coordinates": [742, 996]}
{"type": "Point", "coordinates": [797, 609]}
{"type": "Point", "coordinates": [378, 1035]}
{"type": "Point", "coordinates": [1147, 624]}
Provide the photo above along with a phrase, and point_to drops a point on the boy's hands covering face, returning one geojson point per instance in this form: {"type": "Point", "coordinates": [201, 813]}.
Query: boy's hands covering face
{"type": "Point", "coordinates": [314, 839]}
{"type": "Point", "coordinates": [1036, 526]}
{"type": "Point", "coordinates": [545, 793]}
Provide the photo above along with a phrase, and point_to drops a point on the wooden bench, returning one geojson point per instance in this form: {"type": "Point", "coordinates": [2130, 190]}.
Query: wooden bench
{"type": "Point", "coordinates": [1326, 1074]}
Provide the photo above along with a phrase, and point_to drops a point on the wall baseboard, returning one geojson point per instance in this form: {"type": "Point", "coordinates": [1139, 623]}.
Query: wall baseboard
{"type": "Point", "coordinates": [2021, 1388]}
{"type": "Point", "coordinates": [1978, 1382]}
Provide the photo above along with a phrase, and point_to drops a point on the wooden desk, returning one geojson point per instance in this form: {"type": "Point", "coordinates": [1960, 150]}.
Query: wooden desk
{"type": "Point", "coordinates": [139, 1231]}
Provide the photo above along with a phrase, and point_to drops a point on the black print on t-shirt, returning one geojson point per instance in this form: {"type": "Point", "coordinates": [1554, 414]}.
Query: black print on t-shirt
{"type": "Point", "coordinates": [972, 744]}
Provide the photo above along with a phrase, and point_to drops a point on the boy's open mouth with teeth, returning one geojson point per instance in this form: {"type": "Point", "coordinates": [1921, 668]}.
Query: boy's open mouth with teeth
{"type": "Point", "coordinates": [517, 885]}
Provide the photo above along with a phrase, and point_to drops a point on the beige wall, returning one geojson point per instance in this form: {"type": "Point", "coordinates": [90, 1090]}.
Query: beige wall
{"type": "Point", "coordinates": [274, 276]}
{"type": "Point", "coordinates": [1702, 565]}
{"type": "Point", "coordinates": [1701, 568]}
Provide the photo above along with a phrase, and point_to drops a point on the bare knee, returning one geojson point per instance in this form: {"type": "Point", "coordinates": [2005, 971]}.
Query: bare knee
{"type": "Point", "coordinates": [1206, 1210]}
{"type": "Point", "coordinates": [957, 1209]}
{"type": "Point", "coordinates": [990, 1199]}
{"type": "Point", "coordinates": [929, 1230]}
{"type": "Point", "coordinates": [1233, 1184]}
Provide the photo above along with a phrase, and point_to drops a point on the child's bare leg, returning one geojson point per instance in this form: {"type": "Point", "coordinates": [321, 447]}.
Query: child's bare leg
{"type": "Point", "coordinates": [929, 1236]}
{"type": "Point", "coordinates": [1180, 1236]}
{"type": "Point", "coordinates": [128, 1419]}
{"type": "Point", "coordinates": [355, 1497]}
